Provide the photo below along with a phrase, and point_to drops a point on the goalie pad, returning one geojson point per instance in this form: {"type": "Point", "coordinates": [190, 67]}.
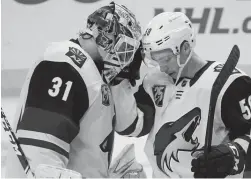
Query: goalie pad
{"type": "Point", "coordinates": [49, 171]}
{"type": "Point", "coordinates": [125, 165]}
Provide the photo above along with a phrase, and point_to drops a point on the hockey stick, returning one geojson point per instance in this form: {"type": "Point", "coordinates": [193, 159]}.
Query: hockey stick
{"type": "Point", "coordinates": [217, 86]}
{"type": "Point", "coordinates": [16, 146]}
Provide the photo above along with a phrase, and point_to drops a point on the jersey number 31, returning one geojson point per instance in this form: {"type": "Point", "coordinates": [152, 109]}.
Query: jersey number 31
{"type": "Point", "coordinates": [245, 105]}
{"type": "Point", "coordinates": [57, 83]}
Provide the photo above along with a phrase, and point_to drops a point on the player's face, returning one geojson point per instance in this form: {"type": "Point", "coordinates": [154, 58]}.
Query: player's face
{"type": "Point", "coordinates": [167, 61]}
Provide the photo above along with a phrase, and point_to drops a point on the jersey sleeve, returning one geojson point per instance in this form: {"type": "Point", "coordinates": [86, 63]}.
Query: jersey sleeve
{"type": "Point", "coordinates": [134, 112]}
{"type": "Point", "coordinates": [57, 98]}
{"type": "Point", "coordinates": [146, 105]}
{"type": "Point", "coordinates": [236, 110]}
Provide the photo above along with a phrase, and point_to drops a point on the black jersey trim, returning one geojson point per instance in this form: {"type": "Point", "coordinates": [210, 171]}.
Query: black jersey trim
{"type": "Point", "coordinates": [200, 72]}
{"type": "Point", "coordinates": [75, 41]}
{"type": "Point", "coordinates": [48, 122]}
{"type": "Point", "coordinates": [130, 129]}
{"type": "Point", "coordinates": [146, 105]}
{"type": "Point", "coordinates": [231, 113]}
{"type": "Point", "coordinates": [43, 144]}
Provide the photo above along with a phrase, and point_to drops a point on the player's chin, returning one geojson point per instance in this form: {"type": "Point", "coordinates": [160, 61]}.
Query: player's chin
{"type": "Point", "coordinates": [164, 70]}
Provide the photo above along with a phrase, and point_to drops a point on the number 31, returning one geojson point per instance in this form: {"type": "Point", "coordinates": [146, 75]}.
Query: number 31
{"type": "Point", "coordinates": [245, 108]}
{"type": "Point", "coordinates": [57, 83]}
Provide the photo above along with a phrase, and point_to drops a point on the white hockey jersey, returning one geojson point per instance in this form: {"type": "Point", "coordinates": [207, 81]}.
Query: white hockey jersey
{"type": "Point", "coordinates": [66, 115]}
{"type": "Point", "coordinates": [181, 119]}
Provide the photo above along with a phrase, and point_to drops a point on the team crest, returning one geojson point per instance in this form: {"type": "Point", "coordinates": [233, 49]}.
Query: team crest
{"type": "Point", "coordinates": [158, 94]}
{"type": "Point", "coordinates": [174, 137]}
{"type": "Point", "coordinates": [76, 56]}
{"type": "Point", "coordinates": [219, 67]}
{"type": "Point", "coordinates": [105, 95]}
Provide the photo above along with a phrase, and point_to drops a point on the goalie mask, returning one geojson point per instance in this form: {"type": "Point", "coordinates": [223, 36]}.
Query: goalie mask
{"type": "Point", "coordinates": [118, 34]}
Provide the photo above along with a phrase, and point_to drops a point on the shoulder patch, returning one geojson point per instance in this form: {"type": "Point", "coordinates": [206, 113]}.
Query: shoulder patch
{"type": "Point", "coordinates": [105, 95]}
{"type": "Point", "coordinates": [76, 56]}
{"type": "Point", "coordinates": [158, 94]}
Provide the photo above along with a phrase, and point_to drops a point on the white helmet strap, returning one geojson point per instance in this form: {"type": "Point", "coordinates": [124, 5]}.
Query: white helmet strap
{"type": "Point", "coordinates": [181, 66]}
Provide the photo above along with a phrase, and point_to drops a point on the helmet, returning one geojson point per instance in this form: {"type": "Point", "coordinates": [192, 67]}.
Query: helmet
{"type": "Point", "coordinates": [118, 33]}
{"type": "Point", "coordinates": [168, 30]}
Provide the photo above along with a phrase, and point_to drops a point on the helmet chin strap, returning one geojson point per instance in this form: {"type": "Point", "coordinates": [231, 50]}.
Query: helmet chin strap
{"type": "Point", "coordinates": [181, 66]}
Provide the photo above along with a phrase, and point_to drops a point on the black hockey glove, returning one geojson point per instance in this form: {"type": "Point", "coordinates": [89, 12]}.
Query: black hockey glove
{"type": "Point", "coordinates": [223, 160]}
{"type": "Point", "coordinates": [131, 72]}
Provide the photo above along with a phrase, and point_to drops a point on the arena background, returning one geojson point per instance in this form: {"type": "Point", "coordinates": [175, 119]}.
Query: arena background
{"type": "Point", "coordinates": [28, 26]}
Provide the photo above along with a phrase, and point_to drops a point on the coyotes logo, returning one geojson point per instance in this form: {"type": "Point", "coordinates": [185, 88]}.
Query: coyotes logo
{"type": "Point", "coordinates": [176, 136]}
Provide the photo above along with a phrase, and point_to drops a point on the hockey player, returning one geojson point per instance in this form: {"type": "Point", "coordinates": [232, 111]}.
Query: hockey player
{"type": "Point", "coordinates": [66, 115]}
{"type": "Point", "coordinates": [180, 94]}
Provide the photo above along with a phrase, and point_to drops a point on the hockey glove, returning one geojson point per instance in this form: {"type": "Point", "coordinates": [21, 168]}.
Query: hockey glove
{"type": "Point", "coordinates": [131, 72]}
{"type": "Point", "coordinates": [223, 160]}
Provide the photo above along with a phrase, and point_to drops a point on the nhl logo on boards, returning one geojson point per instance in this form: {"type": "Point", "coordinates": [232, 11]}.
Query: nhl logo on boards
{"type": "Point", "coordinates": [158, 94]}
{"type": "Point", "coordinates": [76, 56]}
{"type": "Point", "coordinates": [105, 95]}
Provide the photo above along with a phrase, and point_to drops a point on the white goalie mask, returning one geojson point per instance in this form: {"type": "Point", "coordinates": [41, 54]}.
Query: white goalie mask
{"type": "Point", "coordinates": [118, 33]}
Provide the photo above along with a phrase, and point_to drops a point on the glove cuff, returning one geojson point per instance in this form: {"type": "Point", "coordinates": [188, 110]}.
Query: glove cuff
{"type": "Point", "coordinates": [238, 156]}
